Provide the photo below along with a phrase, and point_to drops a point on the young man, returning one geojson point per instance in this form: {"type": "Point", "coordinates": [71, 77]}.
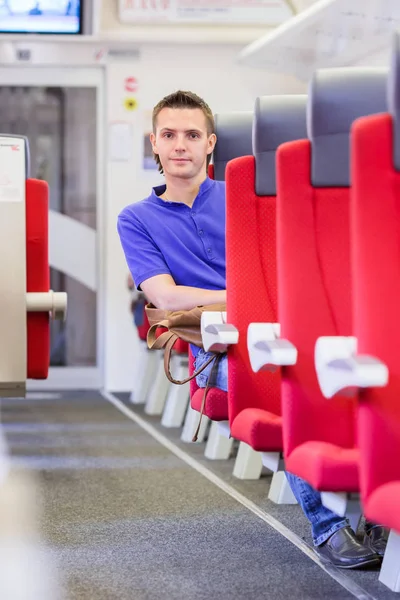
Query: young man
{"type": "Point", "coordinates": [174, 244]}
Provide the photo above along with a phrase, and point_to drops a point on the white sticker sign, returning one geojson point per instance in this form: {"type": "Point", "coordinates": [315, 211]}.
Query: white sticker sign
{"type": "Point", "coordinates": [212, 12]}
{"type": "Point", "coordinates": [12, 169]}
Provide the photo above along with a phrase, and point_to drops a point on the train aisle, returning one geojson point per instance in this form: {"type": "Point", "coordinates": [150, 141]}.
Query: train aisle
{"type": "Point", "coordinates": [129, 518]}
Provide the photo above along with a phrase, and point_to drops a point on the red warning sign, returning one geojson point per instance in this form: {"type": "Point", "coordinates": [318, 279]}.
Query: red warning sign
{"type": "Point", "coordinates": [131, 84]}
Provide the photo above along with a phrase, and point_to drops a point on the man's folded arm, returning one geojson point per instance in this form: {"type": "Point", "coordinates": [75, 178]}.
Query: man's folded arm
{"type": "Point", "coordinates": [162, 291]}
{"type": "Point", "coordinates": [151, 273]}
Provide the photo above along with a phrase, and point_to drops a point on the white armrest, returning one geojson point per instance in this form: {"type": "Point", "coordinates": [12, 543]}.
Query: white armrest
{"type": "Point", "coordinates": [339, 369]}
{"type": "Point", "coordinates": [52, 302]}
{"type": "Point", "coordinates": [216, 334]}
{"type": "Point", "coordinates": [266, 350]}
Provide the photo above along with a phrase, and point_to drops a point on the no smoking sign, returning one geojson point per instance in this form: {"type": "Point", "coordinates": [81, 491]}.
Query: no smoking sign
{"type": "Point", "coordinates": [131, 84]}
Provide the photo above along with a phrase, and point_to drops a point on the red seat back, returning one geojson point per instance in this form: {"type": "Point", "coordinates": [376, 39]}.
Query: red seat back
{"type": "Point", "coordinates": [314, 284]}
{"type": "Point", "coordinates": [251, 284]}
{"type": "Point", "coordinates": [251, 247]}
{"type": "Point", "coordinates": [234, 139]}
{"type": "Point", "coordinates": [376, 234]}
{"type": "Point", "coordinates": [37, 276]}
{"type": "Point", "coordinates": [313, 248]}
{"type": "Point", "coordinates": [376, 216]}
{"type": "Point", "coordinates": [232, 154]}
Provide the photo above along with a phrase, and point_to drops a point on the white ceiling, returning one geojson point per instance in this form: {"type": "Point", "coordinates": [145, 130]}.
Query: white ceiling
{"type": "Point", "coordinates": [325, 33]}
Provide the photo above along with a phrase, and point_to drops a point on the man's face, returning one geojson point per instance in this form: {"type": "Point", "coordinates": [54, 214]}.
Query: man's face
{"type": "Point", "coordinates": [182, 142]}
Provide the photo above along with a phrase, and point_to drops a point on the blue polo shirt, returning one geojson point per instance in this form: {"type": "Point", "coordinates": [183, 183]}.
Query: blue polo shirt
{"type": "Point", "coordinates": [160, 237]}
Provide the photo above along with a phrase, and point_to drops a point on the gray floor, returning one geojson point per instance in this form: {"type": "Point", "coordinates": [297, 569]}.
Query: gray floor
{"type": "Point", "coordinates": [126, 519]}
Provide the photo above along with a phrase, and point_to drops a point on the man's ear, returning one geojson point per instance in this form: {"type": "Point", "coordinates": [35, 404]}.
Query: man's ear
{"type": "Point", "coordinates": [212, 140]}
{"type": "Point", "coordinates": [153, 143]}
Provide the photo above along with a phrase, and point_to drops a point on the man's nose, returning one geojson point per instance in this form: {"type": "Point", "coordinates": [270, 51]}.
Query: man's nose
{"type": "Point", "coordinates": [180, 144]}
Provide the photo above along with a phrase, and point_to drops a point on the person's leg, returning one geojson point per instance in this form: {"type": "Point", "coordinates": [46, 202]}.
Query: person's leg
{"type": "Point", "coordinates": [220, 378]}
{"type": "Point", "coordinates": [331, 534]}
{"type": "Point", "coordinates": [323, 521]}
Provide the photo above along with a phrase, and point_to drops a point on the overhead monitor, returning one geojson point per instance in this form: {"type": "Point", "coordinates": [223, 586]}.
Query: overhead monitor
{"type": "Point", "coordinates": [41, 16]}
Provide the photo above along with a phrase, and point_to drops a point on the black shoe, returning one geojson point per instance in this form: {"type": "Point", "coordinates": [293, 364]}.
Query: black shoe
{"type": "Point", "coordinates": [376, 539]}
{"type": "Point", "coordinates": [343, 550]}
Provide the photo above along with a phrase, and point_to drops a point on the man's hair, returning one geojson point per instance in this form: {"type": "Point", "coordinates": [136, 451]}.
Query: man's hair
{"type": "Point", "coordinates": [182, 99]}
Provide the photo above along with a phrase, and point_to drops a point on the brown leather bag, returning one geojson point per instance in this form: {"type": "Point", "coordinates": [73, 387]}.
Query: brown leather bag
{"type": "Point", "coordinates": [180, 324]}
{"type": "Point", "coordinates": [184, 325]}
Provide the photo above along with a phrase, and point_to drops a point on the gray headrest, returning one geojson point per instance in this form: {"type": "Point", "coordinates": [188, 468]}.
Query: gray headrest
{"type": "Point", "coordinates": [277, 119]}
{"type": "Point", "coordinates": [233, 132]}
{"type": "Point", "coordinates": [336, 98]}
{"type": "Point", "coordinates": [394, 97]}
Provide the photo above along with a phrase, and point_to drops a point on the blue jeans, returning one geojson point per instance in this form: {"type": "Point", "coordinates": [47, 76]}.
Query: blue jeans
{"type": "Point", "coordinates": [323, 521]}
{"type": "Point", "coordinates": [138, 312]}
{"type": "Point", "coordinates": [221, 376]}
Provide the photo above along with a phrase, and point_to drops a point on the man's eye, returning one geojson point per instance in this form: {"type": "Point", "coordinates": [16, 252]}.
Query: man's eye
{"type": "Point", "coordinates": [194, 135]}
{"type": "Point", "coordinates": [167, 135]}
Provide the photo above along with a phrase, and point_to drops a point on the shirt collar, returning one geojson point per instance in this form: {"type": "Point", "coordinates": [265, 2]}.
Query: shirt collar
{"type": "Point", "coordinates": [160, 189]}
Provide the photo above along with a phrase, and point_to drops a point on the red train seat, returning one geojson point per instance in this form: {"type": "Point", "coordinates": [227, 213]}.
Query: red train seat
{"type": "Point", "coordinates": [234, 133]}
{"type": "Point", "coordinates": [255, 399]}
{"type": "Point", "coordinates": [37, 276]}
{"type": "Point", "coordinates": [314, 276]}
{"type": "Point", "coordinates": [375, 230]}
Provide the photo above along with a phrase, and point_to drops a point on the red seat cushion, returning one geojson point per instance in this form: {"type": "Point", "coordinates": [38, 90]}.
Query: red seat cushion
{"type": "Point", "coordinates": [37, 277]}
{"type": "Point", "coordinates": [261, 429]}
{"type": "Point", "coordinates": [326, 467]}
{"type": "Point", "coordinates": [216, 406]}
{"type": "Point", "coordinates": [383, 506]}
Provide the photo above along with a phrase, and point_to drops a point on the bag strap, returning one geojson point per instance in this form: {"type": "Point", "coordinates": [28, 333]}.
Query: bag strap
{"type": "Point", "coordinates": [167, 361]}
{"type": "Point", "coordinates": [216, 359]}
{"type": "Point", "coordinates": [157, 342]}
